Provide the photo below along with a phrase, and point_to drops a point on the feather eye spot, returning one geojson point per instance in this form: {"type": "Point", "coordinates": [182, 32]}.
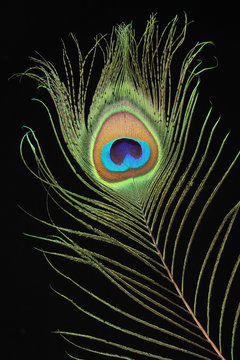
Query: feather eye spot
{"type": "Point", "coordinates": [124, 147]}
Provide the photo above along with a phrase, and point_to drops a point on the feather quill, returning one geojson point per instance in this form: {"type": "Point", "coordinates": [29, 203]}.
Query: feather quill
{"type": "Point", "coordinates": [135, 198]}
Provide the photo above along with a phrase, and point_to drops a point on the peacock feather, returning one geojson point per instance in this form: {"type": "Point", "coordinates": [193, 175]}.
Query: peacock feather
{"type": "Point", "coordinates": [150, 287]}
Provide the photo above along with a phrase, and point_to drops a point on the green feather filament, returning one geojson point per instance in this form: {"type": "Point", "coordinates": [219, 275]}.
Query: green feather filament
{"type": "Point", "coordinates": [135, 114]}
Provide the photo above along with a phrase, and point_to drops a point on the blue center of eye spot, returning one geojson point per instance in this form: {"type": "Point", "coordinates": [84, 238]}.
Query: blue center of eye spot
{"type": "Point", "coordinates": [121, 147]}
{"type": "Point", "coordinates": [125, 153]}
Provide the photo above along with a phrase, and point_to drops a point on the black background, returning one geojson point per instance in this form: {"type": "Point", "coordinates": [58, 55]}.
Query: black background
{"type": "Point", "coordinates": [32, 309]}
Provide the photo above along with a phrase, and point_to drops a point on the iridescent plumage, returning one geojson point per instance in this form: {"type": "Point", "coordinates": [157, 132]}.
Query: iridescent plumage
{"type": "Point", "coordinates": [128, 149]}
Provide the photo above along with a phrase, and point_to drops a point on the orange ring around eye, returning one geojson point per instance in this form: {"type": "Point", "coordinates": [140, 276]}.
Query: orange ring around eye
{"type": "Point", "coordinates": [123, 124]}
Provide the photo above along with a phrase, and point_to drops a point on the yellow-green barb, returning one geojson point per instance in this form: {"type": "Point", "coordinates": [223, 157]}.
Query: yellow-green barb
{"type": "Point", "coordinates": [135, 200]}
